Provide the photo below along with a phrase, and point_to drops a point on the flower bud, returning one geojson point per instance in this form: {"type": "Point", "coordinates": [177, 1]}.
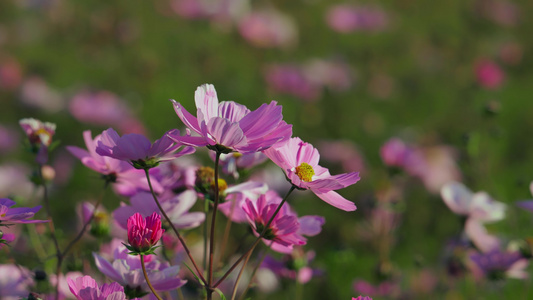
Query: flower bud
{"type": "Point", "coordinates": [143, 234]}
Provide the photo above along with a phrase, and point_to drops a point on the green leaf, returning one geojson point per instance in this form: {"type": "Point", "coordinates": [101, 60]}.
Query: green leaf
{"type": "Point", "coordinates": [220, 294]}
{"type": "Point", "coordinates": [194, 274]}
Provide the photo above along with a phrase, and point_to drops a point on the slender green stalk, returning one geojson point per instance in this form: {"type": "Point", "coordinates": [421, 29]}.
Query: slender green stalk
{"type": "Point", "coordinates": [51, 226]}
{"type": "Point", "coordinates": [174, 228]}
{"type": "Point", "coordinates": [212, 233]}
{"type": "Point", "coordinates": [227, 230]}
{"type": "Point", "coordinates": [254, 272]}
{"type": "Point", "coordinates": [236, 285]}
{"type": "Point", "coordinates": [206, 211]}
{"type": "Point", "coordinates": [148, 280]}
{"type": "Point", "coordinates": [293, 187]}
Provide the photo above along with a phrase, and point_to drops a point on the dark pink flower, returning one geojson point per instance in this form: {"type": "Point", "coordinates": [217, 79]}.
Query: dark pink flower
{"type": "Point", "coordinates": [84, 288]}
{"type": "Point", "coordinates": [228, 126]}
{"type": "Point", "coordinates": [489, 74]}
{"type": "Point", "coordinates": [362, 298]}
{"type": "Point", "coordinates": [284, 229]}
{"type": "Point", "coordinates": [16, 215]}
{"type": "Point", "coordinates": [138, 150]}
{"type": "Point", "coordinates": [143, 234]}
{"type": "Point", "coordinates": [299, 160]}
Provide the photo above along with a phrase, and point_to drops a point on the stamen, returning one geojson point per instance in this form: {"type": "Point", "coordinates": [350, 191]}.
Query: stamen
{"type": "Point", "coordinates": [305, 172]}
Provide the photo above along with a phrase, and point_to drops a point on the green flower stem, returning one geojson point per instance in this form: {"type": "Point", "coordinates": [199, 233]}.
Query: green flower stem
{"type": "Point", "coordinates": [254, 272]}
{"type": "Point", "coordinates": [227, 230]}
{"type": "Point", "coordinates": [51, 226]}
{"type": "Point", "coordinates": [240, 275]}
{"type": "Point", "coordinates": [148, 280]}
{"type": "Point", "coordinates": [212, 233]}
{"type": "Point", "coordinates": [174, 228]}
{"type": "Point", "coordinates": [293, 187]}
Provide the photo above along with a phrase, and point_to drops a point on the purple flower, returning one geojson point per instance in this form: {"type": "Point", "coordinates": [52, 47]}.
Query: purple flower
{"type": "Point", "coordinates": [138, 150]}
{"type": "Point", "coordinates": [143, 234]}
{"type": "Point", "coordinates": [299, 160]}
{"type": "Point", "coordinates": [19, 215]}
{"type": "Point", "coordinates": [497, 264]}
{"type": "Point", "coordinates": [15, 282]}
{"type": "Point", "coordinates": [40, 136]}
{"type": "Point", "coordinates": [126, 179]}
{"type": "Point", "coordinates": [177, 208]}
{"type": "Point", "coordinates": [282, 231]}
{"type": "Point", "coordinates": [292, 80]}
{"type": "Point", "coordinates": [228, 126]}
{"type": "Point", "coordinates": [84, 288]}
{"type": "Point", "coordinates": [294, 266]}
{"type": "Point", "coordinates": [127, 271]}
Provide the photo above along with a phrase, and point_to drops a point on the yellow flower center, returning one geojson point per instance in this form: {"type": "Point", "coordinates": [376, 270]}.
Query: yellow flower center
{"type": "Point", "coordinates": [222, 185]}
{"type": "Point", "coordinates": [237, 154]}
{"type": "Point", "coordinates": [305, 172]}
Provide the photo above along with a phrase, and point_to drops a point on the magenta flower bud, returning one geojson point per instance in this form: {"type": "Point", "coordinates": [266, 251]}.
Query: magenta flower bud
{"type": "Point", "coordinates": [143, 234]}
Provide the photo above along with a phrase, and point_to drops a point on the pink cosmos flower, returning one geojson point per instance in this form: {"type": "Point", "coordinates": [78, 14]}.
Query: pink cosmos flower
{"type": "Point", "coordinates": [177, 209]}
{"type": "Point", "coordinates": [127, 271]}
{"type": "Point", "coordinates": [292, 80]}
{"type": "Point", "coordinates": [299, 160]}
{"type": "Point", "coordinates": [294, 266]}
{"type": "Point", "coordinates": [137, 149]}
{"type": "Point", "coordinates": [126, 180]}
{"type": "Point", "coordinates": [347, 18]}
{"type": "Point", "coordinates": [40, 136]}
{"type": "Point", "coordinates": [15, 282]}
{"type": "Point", "coordinates": [284, 228]}
{"type": "Point", "coordinates": [17, 215]}
{"type": "Point", "coordinates": [268, 29]}
{"type": "Point", "coordinates": [84, 288]}
{"type": "Point", "coordinates": [228, 126]}
{"type": "Point", "coordinates": [143, 234]}
{"type": "Point", "coordinates": [489, 74]}
{"type": "Point", "coordinates": [362, 298]}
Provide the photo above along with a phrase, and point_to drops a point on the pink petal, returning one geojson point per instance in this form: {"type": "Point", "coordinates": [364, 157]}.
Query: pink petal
{"type": "Point", "coordinates": [333, 198]}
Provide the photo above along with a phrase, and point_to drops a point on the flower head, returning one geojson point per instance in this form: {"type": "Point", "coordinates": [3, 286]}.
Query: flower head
{"type": "Point", "coordinates": [284, 228]}
{"type": "Point", "coordinates": [126, 180]}
{"type": "Point", "coordinates": [228, 126]}
{"type": "Point", "coordinates": [85, 287]}
{"type": "Point", "coordinates": [138, 150]}
{"type": "Point", "coordinates": [143, 234]}
{"type": "Point", "coordinates": [127, 271]}
{"type": "Point", "coordinates": [478, 205]}
{"type": "Point", "coordinates": [17, 215]}
{"type": "Point", "coordinates": [39, 135]}
{"type": "Point", "coordinates": [299, 160]}
{"type": "Point", "coordinates": [498, 264]}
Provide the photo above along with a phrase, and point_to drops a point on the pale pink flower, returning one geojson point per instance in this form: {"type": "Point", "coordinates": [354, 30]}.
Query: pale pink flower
{"type": "Point", "coordinates": [98, 107]}
{"type": "Point", "coordinates": [292, 80]}
{"type": "Point", "coordinates": [39, 135]}
{"type": "Point", "coordinates": [228, 126]}
{"type": "Point", "coordinates": [10, 73]}
{"type": "Point", "coordinates": [85, 288]}
{"type": "Point", "coordinates": [268, 29]}
{"type": "Point", "coordinates": [347, 18]}
{"type": "Point", "coordinates": [299, 160]}
{"type": "Point", "coordinates": [35, 92]}
{"type": "Point", "coordinates": [126, 270]}
{"type": "Point", "coordinates": [15, 282]}
{"type": "Point", "coordinates": [479, 206]}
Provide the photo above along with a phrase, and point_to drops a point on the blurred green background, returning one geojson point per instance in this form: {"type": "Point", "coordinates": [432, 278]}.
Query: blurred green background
{"type": "Point", "coordinates": [414, 73]}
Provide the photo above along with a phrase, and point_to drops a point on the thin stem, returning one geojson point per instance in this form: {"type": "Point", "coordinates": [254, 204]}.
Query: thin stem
{"type": "Point", "coordinates": [293, 187]}
{"type": "Point", "coordinates": [85, 226]}
{"type": "Point", "coordinates": [240, 275]}
{"type": "Point", "coordinates": [227, 230]}
{"type": "Point", "coordinates": [52, 228]}
{"type": "Point", "coordinates": [206, 211]}
{"type": "Point", "coordinates": [212, 232]}
{"type": "Point", "coordinates": [148, 280]}
{"type": "Point", "coordinates": [255, 271]}
{"type": "Point", "coordinates": [174, 228]}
